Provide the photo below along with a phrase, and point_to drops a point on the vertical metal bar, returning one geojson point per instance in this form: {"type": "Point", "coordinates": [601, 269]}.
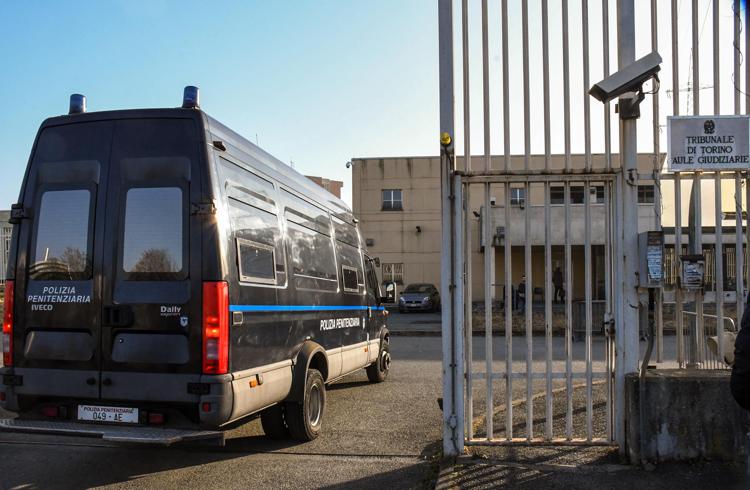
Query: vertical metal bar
{"type": "Point", "coordinates": [695, 53]}
{"type": "Point", "coordinates": [529, 293]}
{"type": "Point", "coordinates": [566, 83]}
{"type": "Point", "coordinates": [605, 64]}
{"type": "Point", "coordinates": [657, 187]}
{"type": "Point", "coordinates": [738, 245]}
{"type": "Point", "coordinates": [587, 294]}
{"type": "Point", "coordinates": [626, 336]}
{"type": "Point", "coordinates": [608, 298]}
{"type": "Point", "coordinates": [738, 249]}
{"type": "Point", "coordinates": [737, 50]}
{"type": "Point", "coordinates": [467, 231]}
{"type": "Point", "coordinates": [458, 302]}
{"type": "Point", "coordinates": [568, 319]}
{"type": "Point", "coordinates": [453, 438]}
{"type": "Point", "coordinates": [506, 91]}
{"type": "Point", "coordinates": [488, 250]}
{"type": "Point", "coordinates": [677, 267]}
{"type": "Point", "coordinates": [529, 300]}
{"type": "Point", "coordinates": [507, 245]}
{"type": "Point", "coordinates": [677, 264]}
{"type": "Point", "coordinates": [697, 246]}
{"type": "Point", "coordinates": [507, 248]}
{"type": "Point", "coordinates": [586, 85]}
{"type": "Point", "coordinates": [608, 219]}
{"type": "Point", "coordinates": [548, 291]}
{"type": "Point", "coordinates": [718, 231]}
{"type": "Point", "coordinates": [587, 213]}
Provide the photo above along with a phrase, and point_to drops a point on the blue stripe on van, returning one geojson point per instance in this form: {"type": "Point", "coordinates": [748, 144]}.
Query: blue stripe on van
{"type": "Point", "coordinates": [266, 308]}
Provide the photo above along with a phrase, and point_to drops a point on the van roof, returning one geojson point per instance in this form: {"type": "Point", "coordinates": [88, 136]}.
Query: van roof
{"type": "Point", "coordinates": [268, 164]}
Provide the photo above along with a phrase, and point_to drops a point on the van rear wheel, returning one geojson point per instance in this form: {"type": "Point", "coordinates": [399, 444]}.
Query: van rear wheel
{"type": "Point", "coordinates": [272, 420]}
{"type": "Point", "coordinates": [305, 419]}
{"type": "Point", "coordinates": [377, 372]}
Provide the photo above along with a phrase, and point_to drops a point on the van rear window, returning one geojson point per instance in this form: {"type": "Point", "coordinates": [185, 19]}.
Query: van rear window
{"type": "Point", "coordinates": [153, 241]}
{"type": "Point", "coordinates": [62, 236]}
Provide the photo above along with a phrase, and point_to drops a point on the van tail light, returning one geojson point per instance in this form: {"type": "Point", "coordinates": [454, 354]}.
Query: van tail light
{"type": "Point", "coordinates": [215, 328]}
{"type": "Point", "coordinates": [8, 325]}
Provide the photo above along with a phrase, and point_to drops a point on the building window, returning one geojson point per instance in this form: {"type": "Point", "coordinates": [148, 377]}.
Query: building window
{"type": "Point", "coordinates": [392, 200]}
{"type": "Point", "coordinates": [393, 273]}
{"type": "Point", "coordinates": [557, 194]}
{"type": "Point", "coordinates": [517, 196]}
{"type": "Point", "coordinates": [645, 194]}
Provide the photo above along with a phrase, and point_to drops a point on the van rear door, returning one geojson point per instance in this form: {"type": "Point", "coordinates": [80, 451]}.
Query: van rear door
{"type": "Point", "coordinates": [59, 297]}
{"type": "Point", "coordinates": [151, 312]}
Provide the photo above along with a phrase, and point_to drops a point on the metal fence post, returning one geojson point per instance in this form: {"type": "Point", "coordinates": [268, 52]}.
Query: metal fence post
{"type": "Point", "coordinates": [626, 327]}
{"type": "Point", "coordinates": [453, 428]}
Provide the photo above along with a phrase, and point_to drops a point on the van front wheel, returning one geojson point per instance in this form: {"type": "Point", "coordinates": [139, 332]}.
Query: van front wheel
{"type": "Point", "coordinates": [272, 420]}
{"type": "Point", "coordinates": [306, 419]}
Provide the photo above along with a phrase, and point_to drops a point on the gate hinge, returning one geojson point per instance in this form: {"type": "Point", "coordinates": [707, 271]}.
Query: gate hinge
{"type": "Point", "coordinates": [17, 213]}
{"type": "Point", "coordinates": [202, 208]}
{"type": "Point", "coordinates": [452, 422]}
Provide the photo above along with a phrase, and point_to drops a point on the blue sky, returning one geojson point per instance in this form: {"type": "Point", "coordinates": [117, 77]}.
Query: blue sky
{"type": "Point", "coordinates": [319, 82]}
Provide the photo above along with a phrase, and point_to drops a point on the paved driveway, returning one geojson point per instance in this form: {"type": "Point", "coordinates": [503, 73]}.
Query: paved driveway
{"type": "Point", "coordinates": [375, 436]}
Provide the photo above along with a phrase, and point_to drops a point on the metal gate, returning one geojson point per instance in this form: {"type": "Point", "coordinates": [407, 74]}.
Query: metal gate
{"type": "Point", "coordinates": [527, 380]}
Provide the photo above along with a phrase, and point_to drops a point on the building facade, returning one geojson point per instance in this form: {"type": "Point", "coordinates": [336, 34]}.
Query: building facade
{"type": "Point", "coordinates": [332, 186]}
{"type": "Point", "coordinates": [397, 201]}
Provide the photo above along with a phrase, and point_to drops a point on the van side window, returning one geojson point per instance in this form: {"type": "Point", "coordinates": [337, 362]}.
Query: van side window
{"type": "Point", "coordinates": [313, 261]}
{"type": "Point", "coordinates": [247, 187]}
{"type": "Point", "coordinates": [62, 248]}
{"type": "Point", "coordinates": [260, 253]}
{"type": "Point", "coordinates": [373, 290]}
{"type": "Point", "coordinates": [153, 244]}
{"type": "Point", "coordinates": [310, 245]}
{"type": "Point", "coordinates": [256, 262]}
{"type": "Point", "coordinates": [349, 277]}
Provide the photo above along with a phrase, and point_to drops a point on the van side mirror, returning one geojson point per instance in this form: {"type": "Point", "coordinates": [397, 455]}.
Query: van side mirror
{"type": "Point", "coordinates": [376, 261]}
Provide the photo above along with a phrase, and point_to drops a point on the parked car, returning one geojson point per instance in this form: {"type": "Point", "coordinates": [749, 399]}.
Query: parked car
{"type": "Point", "coordinates": [419, 297]}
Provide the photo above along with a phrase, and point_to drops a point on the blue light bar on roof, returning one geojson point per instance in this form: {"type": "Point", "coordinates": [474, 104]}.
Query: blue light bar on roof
{"type": "Point", "coordinates": [77, 104]}
{"type": "Point", "coordinates": [191, 98]}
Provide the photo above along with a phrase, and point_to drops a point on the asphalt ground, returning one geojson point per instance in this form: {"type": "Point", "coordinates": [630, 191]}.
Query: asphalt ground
{"type": "Point", "coordinates": [378, 436]}
{"type": "Point", "coordinates": [374, 436]}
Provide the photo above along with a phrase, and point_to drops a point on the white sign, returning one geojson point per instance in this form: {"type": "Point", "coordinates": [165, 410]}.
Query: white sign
{"type": "Point", "coordinates": [708, 143]}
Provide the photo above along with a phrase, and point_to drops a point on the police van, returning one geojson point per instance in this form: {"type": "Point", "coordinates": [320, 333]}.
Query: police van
{"type": "Point", "coordinates": [168, 278]}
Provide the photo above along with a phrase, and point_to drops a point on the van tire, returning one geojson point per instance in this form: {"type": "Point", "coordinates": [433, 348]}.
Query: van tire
{"type": "Point", "coordinates": [272, 420]}
{"type": "Point", "coordinates": [305, 419]}
{"type": "Point", "coordinates": [377, 372]}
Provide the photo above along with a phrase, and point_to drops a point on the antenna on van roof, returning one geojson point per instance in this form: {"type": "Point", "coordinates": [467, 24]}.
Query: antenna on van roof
{"type": "Point", "coordinates": [77, 104]}
{"type": "Point", "coordinates": [191, 98]}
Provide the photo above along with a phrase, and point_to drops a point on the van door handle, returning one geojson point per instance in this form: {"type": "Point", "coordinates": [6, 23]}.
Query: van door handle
{"type": "Point", "coordinates": [118, 316]}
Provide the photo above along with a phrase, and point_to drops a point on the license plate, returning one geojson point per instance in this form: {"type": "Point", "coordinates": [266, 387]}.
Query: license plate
{"type": "Point", "coordinates": [121, 415]}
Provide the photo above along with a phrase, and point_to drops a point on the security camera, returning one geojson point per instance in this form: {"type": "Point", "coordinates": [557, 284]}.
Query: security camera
{"type": "Point", "coordinates": [349, 164]}
{"type": "Point", "coordinates": [629, 79]}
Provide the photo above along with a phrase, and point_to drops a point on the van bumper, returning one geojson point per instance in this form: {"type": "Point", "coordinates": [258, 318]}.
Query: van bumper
{"type": "Point", "coordinates": [213, 398]}
{"type": "Point", "coordinates": [139, 435]}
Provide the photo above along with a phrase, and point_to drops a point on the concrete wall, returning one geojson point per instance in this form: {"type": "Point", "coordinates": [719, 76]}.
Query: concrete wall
{"type": "Point", "coordinates": [688, 415]}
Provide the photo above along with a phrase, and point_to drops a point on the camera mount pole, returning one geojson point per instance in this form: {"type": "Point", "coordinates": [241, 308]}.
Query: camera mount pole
{"type": "Point", "coordinates": [626, 299]}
